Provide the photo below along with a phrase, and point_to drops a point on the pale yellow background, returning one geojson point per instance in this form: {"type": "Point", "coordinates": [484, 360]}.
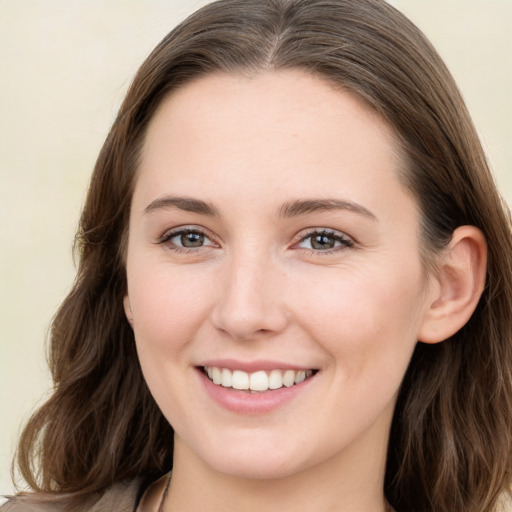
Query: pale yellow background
{"type": "Point", "coordinates": [64, 67]}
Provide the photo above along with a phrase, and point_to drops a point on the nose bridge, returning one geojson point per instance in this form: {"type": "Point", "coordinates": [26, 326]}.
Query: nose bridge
{"type": "Point", "coordinates": [250, 295]}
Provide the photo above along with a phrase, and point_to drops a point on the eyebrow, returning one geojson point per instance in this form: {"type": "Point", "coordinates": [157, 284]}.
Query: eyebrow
{"type": "Point", "coordinates": [305, 206]}
{"type": "Point", "coordinates": [187, 204]}
{"type": "Point", "coordinates": [288, 209]}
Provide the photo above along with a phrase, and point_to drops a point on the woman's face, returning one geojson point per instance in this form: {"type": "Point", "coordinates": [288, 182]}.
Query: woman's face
{"type": "Point", "coordinates": [271, 241]}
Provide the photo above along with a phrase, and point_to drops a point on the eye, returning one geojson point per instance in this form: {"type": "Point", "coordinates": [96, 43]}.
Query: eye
{"type": "Point", "coordinates": [324, 241]}
{"type": "Point", "coordinates": [186, 238]}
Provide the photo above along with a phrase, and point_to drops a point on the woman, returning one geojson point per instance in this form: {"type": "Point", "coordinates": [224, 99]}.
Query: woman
{"type": "Point", "coordinates": [294, 283]}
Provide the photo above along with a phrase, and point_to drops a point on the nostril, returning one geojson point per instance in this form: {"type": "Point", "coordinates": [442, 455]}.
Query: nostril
{"type": "Point", "coordinates": [247, 305]}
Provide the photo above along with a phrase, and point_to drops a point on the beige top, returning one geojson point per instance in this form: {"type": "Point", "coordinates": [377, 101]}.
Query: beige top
{"type": "Point", "coordinates": [121, 497]}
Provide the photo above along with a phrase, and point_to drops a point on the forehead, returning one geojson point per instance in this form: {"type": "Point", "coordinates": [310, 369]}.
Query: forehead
{"type": "Point", "coordinates": [271, 100]}
{"type": "Point", "coordinates": [287, 128]}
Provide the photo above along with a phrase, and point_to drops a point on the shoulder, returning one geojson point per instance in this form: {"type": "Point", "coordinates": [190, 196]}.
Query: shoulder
{"type": "Point", "coordinates": [121, 497]}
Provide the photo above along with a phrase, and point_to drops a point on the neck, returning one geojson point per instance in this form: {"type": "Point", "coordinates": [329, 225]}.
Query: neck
{"type": "Point", "coordinates": [352, 482]}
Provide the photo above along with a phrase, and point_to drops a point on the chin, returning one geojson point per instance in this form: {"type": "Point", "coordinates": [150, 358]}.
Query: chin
{"type": "Point", "coordinates": [262, 460]}
{"type": "Point", "coordinates": [261, 469]}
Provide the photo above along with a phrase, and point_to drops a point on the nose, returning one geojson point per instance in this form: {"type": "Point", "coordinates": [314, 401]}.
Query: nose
{"type": "Point", "coordinates": [251, 299]}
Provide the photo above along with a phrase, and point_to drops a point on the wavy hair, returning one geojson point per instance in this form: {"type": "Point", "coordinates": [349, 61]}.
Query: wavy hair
{"type": "Point", "coordinates": [451, 437]}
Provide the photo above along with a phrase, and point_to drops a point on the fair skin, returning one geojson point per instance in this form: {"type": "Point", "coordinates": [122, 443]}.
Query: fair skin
{"type": "Point", "coordinates": [269, 231]}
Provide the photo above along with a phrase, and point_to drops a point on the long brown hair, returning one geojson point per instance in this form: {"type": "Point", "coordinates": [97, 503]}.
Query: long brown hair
{"type": "Point", "coordinates": [451, 441]}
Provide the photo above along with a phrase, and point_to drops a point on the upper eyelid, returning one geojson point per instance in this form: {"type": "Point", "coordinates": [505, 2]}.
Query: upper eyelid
{"type": "Point", "coordinates": [300, 236]}
{"type": "Point", "coordinates": [170, 233]}
{"type": "Point", "coordinates": [328, 231]}
{"type": "Point", "coordinates": [346, 241]}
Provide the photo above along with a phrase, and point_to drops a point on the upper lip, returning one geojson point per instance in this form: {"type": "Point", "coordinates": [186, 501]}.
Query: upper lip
{"type": "Point", "coordinates": [253, 366]}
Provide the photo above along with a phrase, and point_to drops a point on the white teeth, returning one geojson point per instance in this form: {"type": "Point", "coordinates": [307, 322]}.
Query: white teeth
{"type": "Point", "coordinates": [275, 380]}
{"type": "Point", "coordinates": [257, 381]}
{"type": "Point", "coordinates": [301, 376]}
{"type": "Point", "coordinates": [289, 378]}
{"type": "Point", "coordinates": [240, 380]}
{"type": "Point", "coordinates": [226, 378]}
{"type": "Point", "coordinates": [216, 376]}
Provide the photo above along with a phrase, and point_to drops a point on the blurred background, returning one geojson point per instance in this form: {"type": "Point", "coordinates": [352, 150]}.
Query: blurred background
{"type": "Point", "coordinates": [64, 68]}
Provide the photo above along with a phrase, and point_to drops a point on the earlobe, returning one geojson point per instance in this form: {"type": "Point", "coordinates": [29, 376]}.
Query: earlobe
{"type": "Point", "coordinates": [460, 281]}
{"type": "Point", "coordinates": [128, 309]}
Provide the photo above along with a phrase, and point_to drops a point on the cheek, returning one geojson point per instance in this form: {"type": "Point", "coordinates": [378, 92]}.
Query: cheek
{"type": "Point", "coordinates": [168, 308]}
{"type": "Point", "coordinates": [363, 318]}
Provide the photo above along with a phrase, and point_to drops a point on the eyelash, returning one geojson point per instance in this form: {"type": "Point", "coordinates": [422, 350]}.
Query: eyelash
{"type": "Point", "coordinates": [166, 238]}
{"type": "Point", "coordinates": [343, 240]}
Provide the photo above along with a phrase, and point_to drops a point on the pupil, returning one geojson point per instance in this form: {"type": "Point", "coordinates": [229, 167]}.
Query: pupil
{"type": "Point", "coordinates": [322, 242]}
{"type": "Point", "coordinates": [192, 240]}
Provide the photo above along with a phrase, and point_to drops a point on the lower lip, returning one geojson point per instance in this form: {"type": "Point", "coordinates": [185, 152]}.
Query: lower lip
{"type": "Point", "coordinates": [245, 402]}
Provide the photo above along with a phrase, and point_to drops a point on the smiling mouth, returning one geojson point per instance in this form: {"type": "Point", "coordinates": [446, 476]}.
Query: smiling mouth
{"type": "Point", "coordinates": [256, 382]}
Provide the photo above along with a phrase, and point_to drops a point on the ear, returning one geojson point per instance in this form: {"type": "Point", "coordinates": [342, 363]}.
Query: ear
{"type": "Point", "coordinates": [457, 285]}
{"type": "Point", "coordinates": [128, 309]}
